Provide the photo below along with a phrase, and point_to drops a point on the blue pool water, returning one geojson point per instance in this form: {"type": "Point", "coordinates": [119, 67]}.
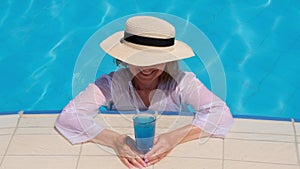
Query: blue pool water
{"type": "Point", "coordinates": [258, 43]}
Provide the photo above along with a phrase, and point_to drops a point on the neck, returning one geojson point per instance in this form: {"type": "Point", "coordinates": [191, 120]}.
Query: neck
{"type": "Point", "coordinates": [139, 85]}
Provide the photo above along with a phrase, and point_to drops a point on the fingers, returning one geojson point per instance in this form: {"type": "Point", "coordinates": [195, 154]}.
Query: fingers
{"type": "Point", "coordinates": [141, 162]}
{"type": "Point", "coordinates": [152, 152]}
{"type": "Point", "coordinates": [126, 162]}
{"type": "Point", "coordinates": [155, 155]}
{"type": "Point", "coordinates": [157, 158]}
{"type": "Point", "coordinates": [153, 161]}
{"type": "Point", "coordinates": [155, 140]}
{"type": "Point", "coordinates": [133, 162]}
{"type": "Point", "coordinates": [137, 163]}
{"type": "Point", "coordinates": [128, 154]}
{"type": "Point", "coordinates": [151, 156]}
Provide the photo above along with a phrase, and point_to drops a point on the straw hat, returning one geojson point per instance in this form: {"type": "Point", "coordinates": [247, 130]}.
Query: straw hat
{"type": "Point", "coordinates": [146, 41]}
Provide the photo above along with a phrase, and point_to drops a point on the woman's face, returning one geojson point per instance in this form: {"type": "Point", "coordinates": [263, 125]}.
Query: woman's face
{"type": "Point", "coordinates": [147, 74]}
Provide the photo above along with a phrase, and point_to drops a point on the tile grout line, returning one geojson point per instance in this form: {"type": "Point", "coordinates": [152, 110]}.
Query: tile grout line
{"type": "Point", "coordinates": [262, 162]}
{"type": "Point", "coordinates": [223, 152]}
{"type": "Point", "coordinates": [79, 155]}
{"type": "Point", "coordinates": [249, 132]}
{"type": "Point", "coordinates": [296, 142]}
{"type": "Point", "coordinates": [272, 141]}
{"type": "Point", "coordinates": [12, 136]}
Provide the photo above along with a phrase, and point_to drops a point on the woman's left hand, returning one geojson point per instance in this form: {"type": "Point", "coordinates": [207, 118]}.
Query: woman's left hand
{"type": "Point", "coordinates": [165, 142]}
{"type": "Point", "coordinates": [163, 145]}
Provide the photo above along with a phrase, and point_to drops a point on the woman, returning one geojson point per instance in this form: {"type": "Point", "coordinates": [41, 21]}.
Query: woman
{"type": "Point", "coordinates": [149, 80]}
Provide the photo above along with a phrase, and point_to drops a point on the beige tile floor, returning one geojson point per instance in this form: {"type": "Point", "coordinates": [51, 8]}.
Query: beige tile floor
{"type": "Point", "coordinates": [31, 142]}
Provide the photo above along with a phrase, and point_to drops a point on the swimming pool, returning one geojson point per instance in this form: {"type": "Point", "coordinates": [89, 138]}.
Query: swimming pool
{"type": "Point", "coordinates": [257, 42]}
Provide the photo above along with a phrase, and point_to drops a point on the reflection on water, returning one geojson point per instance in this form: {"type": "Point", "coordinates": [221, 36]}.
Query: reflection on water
{"type": "Point", "coordinates": [258, 43]}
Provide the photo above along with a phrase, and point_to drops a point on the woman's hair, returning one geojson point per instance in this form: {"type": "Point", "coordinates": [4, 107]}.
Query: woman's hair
{"type": "Point", "coordinates": [167, 79]}
{"type": "Point", "coordinates": [119, 62]}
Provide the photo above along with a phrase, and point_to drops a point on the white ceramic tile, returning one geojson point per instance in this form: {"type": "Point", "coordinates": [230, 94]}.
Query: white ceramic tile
{"type": "Point", "coordinates": [297, 127]}
{"type": "Point", "coordinates": [205, 148]}
{"type": "Point", "coordinates": [39, 115]}
{"type": "Point", "coordinates": [251, 165]}
{"type": "Point", "coordinates": [8, 121]}
{"type": "Point", "coordinates": [37, 120]}
{"type": "Point", "coordinates": [41, 145]}
{"type": "Point", "coordinates": [36, 131]}
{"type": "Point", "coordinates": [263, 126]}
{"type": "Point", "coordinates": [124, 130]}
{"type": "Point", "coordinates": [115, 120]}
{"type": "Point", "coordinates": [4, 141]}
{"type": "Point", "coordinates": [6, 131]}
{"type": "Point", "coordinates": [188, 163]}
{"type": "Point", "coordinates": [173, 122]}
{"type": "Point", "coordinates": [260, 151]}
{"type": "Point", "coordinates": [96, 149]}
{"type": "Point", "coordinates": [39, 162]}
{"type": "Point", "coordinates": [299, 152]}
{"type": "Point", "coordinates": [260, 137]}
{"type": "Point", "coordinates": [105, 162]}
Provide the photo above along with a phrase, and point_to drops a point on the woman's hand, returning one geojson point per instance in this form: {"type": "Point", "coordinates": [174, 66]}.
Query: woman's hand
{"type": "Point", "coordinates": [163, 145]}
{"type": "Point", "coordinates": [126, 151]}
{"type": "Point", "coordinates": [124, 147]}
{"type": "Point", "coordinates": [166, 142]}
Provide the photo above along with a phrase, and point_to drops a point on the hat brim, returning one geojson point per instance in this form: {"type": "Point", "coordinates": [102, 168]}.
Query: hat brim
{"type": "Point", "coordinates": [140, 55]}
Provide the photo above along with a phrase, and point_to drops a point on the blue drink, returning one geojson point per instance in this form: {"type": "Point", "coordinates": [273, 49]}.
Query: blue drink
{"type": "Point", "coordinates": [144, 131]}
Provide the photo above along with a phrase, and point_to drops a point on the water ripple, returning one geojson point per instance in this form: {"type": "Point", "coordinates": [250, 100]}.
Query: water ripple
{"type": "Point", "coordinates": [187, 21]}
{"type": "Point", "coordinates": [276, 22]}
{"type": "Point", "coordinates": [28, 8]}
{"type": "Point", "coordinates": [6, 13]}
{"type": "Point", "coordinates": [54, 9]}
{"type": "Point", "coordinates": [107, 10]}
{"type": "Point", "coordinates": [241, 31]}
{"type": "Point", "coordinates": [170, 8]}
{"type": "Point", "coordinates": [224, 46]}
{"type": "Point", "coordinates": [41, 97]}
{"type": "Point", "coordinates": [260, 5]}
{"type": "Point", "coordinates": [266, 4]}
{"type": "Point", "coordinates": [51, 54]}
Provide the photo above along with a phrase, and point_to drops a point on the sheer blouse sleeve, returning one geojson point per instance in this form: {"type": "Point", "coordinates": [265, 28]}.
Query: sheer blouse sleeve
{"type": "Point", "coordinates": [76, 121]}
{"type": "Point", "coordinates": [212, 114]}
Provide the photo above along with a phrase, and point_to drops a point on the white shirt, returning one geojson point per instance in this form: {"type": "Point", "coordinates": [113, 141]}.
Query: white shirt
{"type": "Point", "coordinates": [76, 121]}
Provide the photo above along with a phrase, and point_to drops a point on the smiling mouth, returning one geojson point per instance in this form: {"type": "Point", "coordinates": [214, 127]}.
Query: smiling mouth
{"type": "Point", "coordinates": [147, 73]}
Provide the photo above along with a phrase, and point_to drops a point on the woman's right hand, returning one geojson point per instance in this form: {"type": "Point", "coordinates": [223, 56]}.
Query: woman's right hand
{"type": "Point", "coordinates": [125, 148]}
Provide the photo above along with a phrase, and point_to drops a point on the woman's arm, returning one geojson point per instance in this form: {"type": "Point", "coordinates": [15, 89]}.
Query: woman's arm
{"type": "Point", "coordinates": [186, 133]}
{"type": "Point", "coordinates": [76, 121]}
{"type": "Point", "coordinates": [212, 118]}
{"type": "Point", "coordinates": [212, 114]}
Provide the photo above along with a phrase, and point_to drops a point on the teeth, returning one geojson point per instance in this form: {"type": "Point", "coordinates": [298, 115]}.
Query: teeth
{"type": "Point", "coordinates": [147, 73]}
